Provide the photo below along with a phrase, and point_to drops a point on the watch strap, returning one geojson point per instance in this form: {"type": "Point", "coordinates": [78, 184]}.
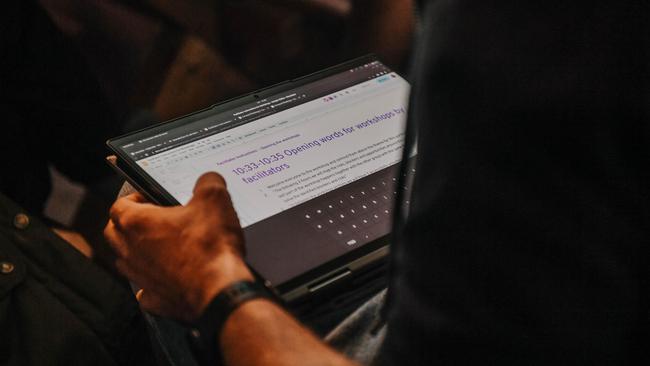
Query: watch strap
{"type": "Point", "coordinates": [205, 331]}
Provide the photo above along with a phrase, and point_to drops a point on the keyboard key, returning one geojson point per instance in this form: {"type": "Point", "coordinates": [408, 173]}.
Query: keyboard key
{"type": "Point", "coordinates": [357, 214]}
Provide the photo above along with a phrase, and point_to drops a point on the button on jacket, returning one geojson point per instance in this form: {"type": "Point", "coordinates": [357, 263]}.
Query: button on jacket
{"type": "Point", "coordinates": [59, 308]}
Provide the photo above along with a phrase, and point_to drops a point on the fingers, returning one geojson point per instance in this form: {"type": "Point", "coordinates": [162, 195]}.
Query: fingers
{"type": "Point", "coordinates": [136, 197]}
{"type": "Point", "coordinates": [153, 303]}
{"type": "Point", "coordinates": [115, 239]}
{"type": "Point", "coordinates": [136, 273]}
{"type": "Point", "coordinates": [127, 208]}
{"type": "Point", "coordinates": [120, 209]}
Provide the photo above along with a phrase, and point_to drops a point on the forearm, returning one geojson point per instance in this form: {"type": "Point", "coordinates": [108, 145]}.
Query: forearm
{"type": "Point", "coordinates": [384, 27]}
{"type": "Point", "coordinates": [260, 333]}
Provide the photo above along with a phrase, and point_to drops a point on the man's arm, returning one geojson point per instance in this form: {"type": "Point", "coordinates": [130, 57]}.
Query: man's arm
{"type": "Point", "coordinates": [184, 256]}
{"type": "Point", "coordinates": [260, 333]}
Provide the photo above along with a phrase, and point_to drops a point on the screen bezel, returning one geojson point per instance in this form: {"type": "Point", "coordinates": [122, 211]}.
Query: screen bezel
{"type": "Point", "coordinates": [154, 191]}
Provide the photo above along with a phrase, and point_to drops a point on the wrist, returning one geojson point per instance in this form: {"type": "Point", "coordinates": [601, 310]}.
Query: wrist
{"type": "Point", "coordinates": [204, 335]}
{"type": "Point", "coordinates": [225, 270]}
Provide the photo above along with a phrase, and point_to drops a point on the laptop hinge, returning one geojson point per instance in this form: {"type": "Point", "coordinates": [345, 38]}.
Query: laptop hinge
{"type": "Point", "coordinates": [328, 280]}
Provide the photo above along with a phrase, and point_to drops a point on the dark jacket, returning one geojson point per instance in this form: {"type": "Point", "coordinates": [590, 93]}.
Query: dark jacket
{"type": "Point", "coordinates": [59, 308]}
{"type": "Point", "coordinates": [530, 218]}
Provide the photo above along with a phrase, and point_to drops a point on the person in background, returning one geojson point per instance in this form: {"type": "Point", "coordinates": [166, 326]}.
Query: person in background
{"type": "Point", "coordinates": [525, 240]}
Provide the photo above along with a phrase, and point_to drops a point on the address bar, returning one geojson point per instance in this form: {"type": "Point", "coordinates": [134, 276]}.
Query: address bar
{"type": "Point", "coordinates": [305, 113]}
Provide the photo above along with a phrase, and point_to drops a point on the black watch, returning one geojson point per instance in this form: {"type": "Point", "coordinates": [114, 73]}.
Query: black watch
{"type": "Point", "coordinates": [205, 331]}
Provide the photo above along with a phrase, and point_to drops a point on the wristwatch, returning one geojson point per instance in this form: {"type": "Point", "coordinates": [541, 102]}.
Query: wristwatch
{"type": "Point", "coordinates": [204, 332]}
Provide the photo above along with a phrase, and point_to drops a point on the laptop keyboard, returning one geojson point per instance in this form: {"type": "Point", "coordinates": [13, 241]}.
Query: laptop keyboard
{"type": "Point", "coordinates": [359, 214]}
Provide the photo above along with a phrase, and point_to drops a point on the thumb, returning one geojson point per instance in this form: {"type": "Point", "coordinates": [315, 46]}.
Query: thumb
{"type": "Point", "coordinates": [210, 186]}
{"type": "Point", "coordinates": [208, 180]}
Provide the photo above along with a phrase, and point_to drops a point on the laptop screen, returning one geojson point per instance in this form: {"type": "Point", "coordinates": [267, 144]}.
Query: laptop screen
{"type": "Point", "coordinates": [311, 171]}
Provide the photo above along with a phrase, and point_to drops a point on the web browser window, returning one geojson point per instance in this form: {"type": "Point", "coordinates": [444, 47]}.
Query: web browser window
{"type": "Point", "coordinates": [311, 172]}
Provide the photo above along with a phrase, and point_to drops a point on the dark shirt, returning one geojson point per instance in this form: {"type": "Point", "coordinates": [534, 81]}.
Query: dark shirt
{"type": "Point", "coordinates": [526, 241]}
{"type": "Point", "coordinates": [59, 308]}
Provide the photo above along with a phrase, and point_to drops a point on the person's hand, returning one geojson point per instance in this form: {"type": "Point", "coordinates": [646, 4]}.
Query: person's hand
{"type": "Point", "coordinates": [181, 256]}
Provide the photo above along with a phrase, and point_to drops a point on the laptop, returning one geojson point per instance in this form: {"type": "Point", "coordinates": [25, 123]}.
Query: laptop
{"type": "Point", "coordinates": [311, 165]}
